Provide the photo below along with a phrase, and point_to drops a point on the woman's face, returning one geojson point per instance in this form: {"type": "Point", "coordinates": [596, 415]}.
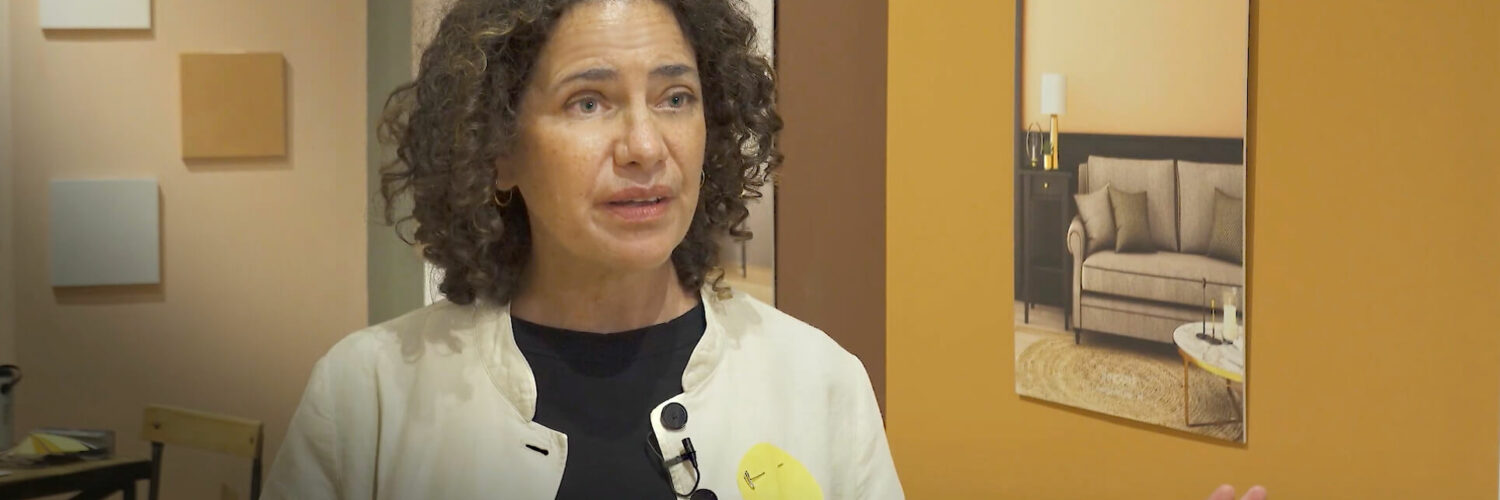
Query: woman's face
{"type": "Point", "coordinates": [611, 137]}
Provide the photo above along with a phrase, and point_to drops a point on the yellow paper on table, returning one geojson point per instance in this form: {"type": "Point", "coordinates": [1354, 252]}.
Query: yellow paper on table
{"type": "Point", "coordinates": [770, 473]}
{"type": "Point", "coordinates": [39, 443]}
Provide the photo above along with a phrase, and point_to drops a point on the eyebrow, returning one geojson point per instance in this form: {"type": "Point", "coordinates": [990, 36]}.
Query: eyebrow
{"type": "Point", "coordinates": [673, 71]}
{"type": "Point", "coordinates": [603, 74]}
{"type": "Point", "coordinates": [592, 75]}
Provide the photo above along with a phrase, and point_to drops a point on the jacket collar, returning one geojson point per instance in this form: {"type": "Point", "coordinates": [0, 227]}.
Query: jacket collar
{"type": "Point", "coordinates": [512, 376]}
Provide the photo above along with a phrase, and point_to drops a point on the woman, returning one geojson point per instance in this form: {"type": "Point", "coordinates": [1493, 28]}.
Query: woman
{"type": "Point", "coordinates": [573, 165]}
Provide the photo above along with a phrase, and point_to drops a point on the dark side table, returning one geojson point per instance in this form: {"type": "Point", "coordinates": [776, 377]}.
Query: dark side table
{"type": "Point", "coordinates": [93, 479]}
{"type": "Point", "coordinates": [1046, 211]}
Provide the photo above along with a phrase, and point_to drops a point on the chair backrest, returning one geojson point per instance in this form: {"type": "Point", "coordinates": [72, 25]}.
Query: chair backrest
{"type": "Point", "coordinates": [241, 437]}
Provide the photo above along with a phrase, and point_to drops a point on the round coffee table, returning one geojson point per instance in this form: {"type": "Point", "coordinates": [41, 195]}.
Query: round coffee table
{"type": "Point", "coordinates": [1227, 361]}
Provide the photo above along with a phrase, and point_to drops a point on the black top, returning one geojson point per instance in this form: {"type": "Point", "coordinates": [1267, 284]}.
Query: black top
{"type": "Point", "coordinates": [599, 390]}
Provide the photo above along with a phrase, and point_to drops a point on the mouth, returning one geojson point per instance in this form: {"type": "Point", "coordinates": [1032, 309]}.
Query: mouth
{"type": "Point", "coordinates": [638, 208]}
{"type": "Point", "coordinates": [640, 202]}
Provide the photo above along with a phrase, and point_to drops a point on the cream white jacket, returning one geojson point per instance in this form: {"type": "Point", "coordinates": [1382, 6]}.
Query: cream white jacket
{"type": "Point", "coordinates": [438, 404]}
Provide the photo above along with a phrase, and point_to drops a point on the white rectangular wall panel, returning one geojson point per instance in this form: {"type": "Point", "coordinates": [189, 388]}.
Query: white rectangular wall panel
{"type": "Point", "coordinates": [96, 14]}
{"type": "Point", "coordinates": [105, 232]}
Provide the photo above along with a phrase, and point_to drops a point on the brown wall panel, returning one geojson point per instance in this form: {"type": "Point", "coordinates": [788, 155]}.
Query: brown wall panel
{"type": "Point", "coordinates": [830, 212]}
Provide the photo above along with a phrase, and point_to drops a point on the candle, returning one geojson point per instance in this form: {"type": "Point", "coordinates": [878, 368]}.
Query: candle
{"type": "Point", "coordinates": [1231, 318]}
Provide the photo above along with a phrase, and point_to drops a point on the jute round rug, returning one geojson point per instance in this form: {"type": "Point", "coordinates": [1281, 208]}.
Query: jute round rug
{"type": "Point", "coordinates": [1128, 383]}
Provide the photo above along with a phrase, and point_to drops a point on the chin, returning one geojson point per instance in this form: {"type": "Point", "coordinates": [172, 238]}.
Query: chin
{"type": "Point", "coordinates": [638, 254]}
{"type": "Point", "coordinates": [641, 246]}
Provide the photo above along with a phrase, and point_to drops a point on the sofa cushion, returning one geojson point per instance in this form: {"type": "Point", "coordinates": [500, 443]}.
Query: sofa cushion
{"type": "Point", "coordinates": [1162, 276]}
{"type": "Point", "coordinates": [1132, 227]}
{"type": "Point", "coordinates": [1227, 241]}
{"type": "Point", "coordinates": [1134, 318]}
{"type": "Point", "coordinates": [1157, 178]}
{"type": "Point", "coordinates": [1098, 219]}
{"type": "Point", "coordinates": [1196, 183]}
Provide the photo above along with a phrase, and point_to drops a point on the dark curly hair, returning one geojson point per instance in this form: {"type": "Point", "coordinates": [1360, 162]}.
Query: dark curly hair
{"type": "Point", "coordinates": [458, 117]}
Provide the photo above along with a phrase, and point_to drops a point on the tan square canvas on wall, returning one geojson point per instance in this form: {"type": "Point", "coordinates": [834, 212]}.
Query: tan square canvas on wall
{"type": "Point", "coordinates": [233, 105]}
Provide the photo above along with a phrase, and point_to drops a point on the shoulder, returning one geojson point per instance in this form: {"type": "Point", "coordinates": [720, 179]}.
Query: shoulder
{"type": "Point", "coordinates": [787, 343]}
{"type": "Point", "coordinates": [415, 330]}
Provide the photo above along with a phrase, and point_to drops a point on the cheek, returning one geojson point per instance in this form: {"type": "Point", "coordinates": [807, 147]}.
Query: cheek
{"type": "Point", "coordinates": [688, 145]}
{"type": "Point", "coordinates": [693, 177]}
{"type": "Point", "coordinates": [559, 169]}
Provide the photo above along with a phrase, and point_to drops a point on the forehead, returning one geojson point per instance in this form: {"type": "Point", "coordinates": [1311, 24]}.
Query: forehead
{"type": "Point", "coordinates": [617, 31]}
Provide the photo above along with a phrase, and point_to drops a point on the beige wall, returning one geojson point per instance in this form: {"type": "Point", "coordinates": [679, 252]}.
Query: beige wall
{"type": "Point", "coordinates": [1163, 67]}
{"type": "Point", "coordinates": [760, 251]}
{"type": "Point", "coordinates": [425, 16]}
{"type": "Point", "coordinates": [263, 260]}
{"type": "Point", "coordinates": [7, 200]}
{"type": "Point", "coordinates": [394, 269]}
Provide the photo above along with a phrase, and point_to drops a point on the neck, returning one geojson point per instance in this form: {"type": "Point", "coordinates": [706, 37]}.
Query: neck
{"type": "Point", "coordinates": [565, 293]}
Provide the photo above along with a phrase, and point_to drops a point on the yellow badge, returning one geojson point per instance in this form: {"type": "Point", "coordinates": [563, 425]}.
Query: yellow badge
{"type": "Point", "coordinates": [769, 473]}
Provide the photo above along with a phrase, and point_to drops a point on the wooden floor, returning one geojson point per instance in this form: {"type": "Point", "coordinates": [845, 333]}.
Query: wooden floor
{"type": "Point", "coordinates": [757, 281]}
{"type": "Point", "coordinates": [1046, 321]}
{"type": "Point", "coordinates": [1042, 316]}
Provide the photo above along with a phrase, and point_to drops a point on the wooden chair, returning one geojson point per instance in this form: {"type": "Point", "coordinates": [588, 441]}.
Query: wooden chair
{"type": "Point", "coordinates": [240, 437]}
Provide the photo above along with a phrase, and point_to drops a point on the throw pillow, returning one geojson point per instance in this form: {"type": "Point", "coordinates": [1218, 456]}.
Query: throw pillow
{"type": "Point", "coordinates": [1132, 229]}
{"type": "Point", "coordinates": [1226, 241]}
{"type": "Point", "coordinates": [1098, 222]}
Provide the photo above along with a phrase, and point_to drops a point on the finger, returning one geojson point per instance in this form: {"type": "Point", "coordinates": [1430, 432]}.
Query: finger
{"type": "Point", "coordinates": [1255, 493]}
{"type": "Point", "coordinates": [1225, 492]}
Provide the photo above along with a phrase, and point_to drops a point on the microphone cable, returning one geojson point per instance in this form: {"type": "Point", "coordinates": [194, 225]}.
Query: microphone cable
{"type": "Point", "coordinates": [689, 454]}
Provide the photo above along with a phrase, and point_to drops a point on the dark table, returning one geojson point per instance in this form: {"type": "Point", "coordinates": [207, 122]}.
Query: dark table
{"type": "Point", "coordinates": [1046, 266]}
{"type": "Point", "coordinates": [90, 479]}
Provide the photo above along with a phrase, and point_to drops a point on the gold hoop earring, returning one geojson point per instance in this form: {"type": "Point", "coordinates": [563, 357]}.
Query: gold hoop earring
{"type": "Point", "coordinates": [510, 195]}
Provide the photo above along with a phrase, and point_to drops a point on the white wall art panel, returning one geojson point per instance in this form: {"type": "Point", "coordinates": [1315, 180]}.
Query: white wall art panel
{"type": "Point", "coordinates": [105, 232]}
{"type": "Point", "coordinates": [96, 14]}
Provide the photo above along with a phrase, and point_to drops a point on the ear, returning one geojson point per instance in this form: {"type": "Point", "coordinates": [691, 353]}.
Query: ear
{"type": "Point", "coordinates": [505, 174]}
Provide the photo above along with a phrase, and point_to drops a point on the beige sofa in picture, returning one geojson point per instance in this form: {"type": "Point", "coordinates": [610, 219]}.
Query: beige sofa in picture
{"type": "Point", "coordinates": [1148, 295]}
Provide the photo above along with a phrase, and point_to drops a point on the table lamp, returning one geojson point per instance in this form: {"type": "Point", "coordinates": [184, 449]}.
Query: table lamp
{"type": "Point", "coordinates": [1054, 102]}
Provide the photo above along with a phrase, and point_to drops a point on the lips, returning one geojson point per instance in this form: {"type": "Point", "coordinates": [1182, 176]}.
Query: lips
{"type": "Point", "coordinates": [643, 201]}
{"type": "Point", "coordinates": [639, 204]}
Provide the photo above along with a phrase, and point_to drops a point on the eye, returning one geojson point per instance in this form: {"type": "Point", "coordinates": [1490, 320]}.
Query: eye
{"type": "Point", "coordinates": [586, 105]}
{"type": "Point", "coordinates": [680, 100]}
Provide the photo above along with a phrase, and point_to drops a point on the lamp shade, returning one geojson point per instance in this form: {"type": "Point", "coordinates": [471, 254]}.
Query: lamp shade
{"type": "Point", "coordinates": [1054, 94]}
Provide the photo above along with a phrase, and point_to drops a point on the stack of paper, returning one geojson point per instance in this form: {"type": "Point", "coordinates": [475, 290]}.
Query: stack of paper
{"type": "Point", "coordinates": [41, 443]}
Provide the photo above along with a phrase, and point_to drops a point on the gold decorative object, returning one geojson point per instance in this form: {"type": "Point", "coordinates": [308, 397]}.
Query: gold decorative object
{"type": "Point", "coordinates": [1054, 102]}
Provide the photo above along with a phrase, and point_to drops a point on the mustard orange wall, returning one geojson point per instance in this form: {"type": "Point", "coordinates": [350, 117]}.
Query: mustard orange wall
{"type": "Point", "coordinates": [1373, 277]}
{"type": "Point", "coordinates": [1160, 67]}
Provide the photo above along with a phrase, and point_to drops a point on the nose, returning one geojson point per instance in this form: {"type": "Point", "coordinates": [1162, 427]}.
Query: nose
{"type": "Point", "coordinates": [643, 145]}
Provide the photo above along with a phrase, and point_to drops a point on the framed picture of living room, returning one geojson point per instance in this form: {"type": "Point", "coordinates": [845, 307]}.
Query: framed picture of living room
{"type": "Point", "coordinates": [1130, 189]}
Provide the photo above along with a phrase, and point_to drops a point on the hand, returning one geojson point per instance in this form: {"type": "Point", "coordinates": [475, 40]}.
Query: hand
{"type": "Point", "coordinates": [1226, 492]}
